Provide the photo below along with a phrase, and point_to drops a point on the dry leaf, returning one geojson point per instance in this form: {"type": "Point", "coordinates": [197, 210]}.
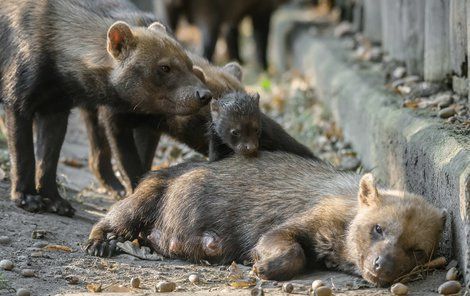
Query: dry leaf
{"type": "Point", "coordinates": [94, 288]}
{"type": "Point", "coordinates": [436, 263]}
{"type": "Point", "coordinates": [410, 104]}
{"type": "Point", "coordinates": [163, 165]}
{"type": "Point", "coordinates": [136, 243]}
{"type": "Point", "coordinates": [58, 248]}
{"type": "Point", "coordinates": [235, 272]}
{"type": "Point", "coordinates": [106, 265]}
{"type": "Point", "coordinates": [72, 162]}
{"type": "Point", "coordinates": [245, 283]}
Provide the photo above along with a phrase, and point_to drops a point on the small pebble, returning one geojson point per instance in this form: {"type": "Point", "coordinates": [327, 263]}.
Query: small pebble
{"type": "Point", "coordinates": [450, 287]}
{"type": "Point", "coordinates": [194, 278]}
{"type": "Point", "coordinates": [399, 289]}
{"type": "Point", "coordinates": [462, 112]}
{"type": "Point", "coordinates": [165, 287]}
{"type": "Point", "coordinates": [323, 291]}
{"type": "Point", "coordinates": [72, 280]}
{"type": "Point", "coordinates": [452, 274]}
{"type": "Point", "coordinates": [22, 292]}
{"type": "Point", "coordinates": [4, 240]}
{"type": "Point", "coordinates": [135, 283]}
{"type": "Point", "coordinates": [452, 263]}
{"type": "Point", "coordinates": [40, 245]}
{"type": "Point", "coordinates": [36, 254]}
{"type": "Point", "coordinates": [343, 29]}
{"type": "Point", "coordinates": [27, 272]}
{"type": "Point", "coordinates": [6, 265]}
{"type": "Point", "coordinates": [398, 73]}
{"type": "Point", "coordinates": [452, 119]}
{"type": "Point", "coordinates": [316, 284]}
{"type": "Point", "coordinates": [38, 234]}
{"type": "Point", "coordinates": [444, 100]}
{"type": "Point", "coordinates": [287, 288]}
{"type": "Point", "coordinates": [404, 89]}
{"type": "Point", "coordinates": [257, 291]}
{"type": "Point", "coordinates": [22, 258]}
{"type": "Point", "coordinates": [447, 112]}
{"type": "Point", "coordinates": [444, 104]}
{"type": "Point", "coordinates": [375, 54]}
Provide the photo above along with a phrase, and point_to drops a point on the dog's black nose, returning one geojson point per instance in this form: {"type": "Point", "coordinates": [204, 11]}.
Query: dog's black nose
{"type": "Point", "coordinates": [204, 95]}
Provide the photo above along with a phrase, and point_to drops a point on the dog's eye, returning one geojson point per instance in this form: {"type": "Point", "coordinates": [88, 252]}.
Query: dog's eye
{"type": "Point", "coordinates": [235, 132]}
{"type": "Point", "coordinates": [165, 68]}
{"type": "Point", "coordinates": [378, 229]}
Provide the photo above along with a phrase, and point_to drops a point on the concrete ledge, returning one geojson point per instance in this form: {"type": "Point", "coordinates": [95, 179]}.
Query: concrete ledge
{"type": "Point", "coordinates": [405, 150]}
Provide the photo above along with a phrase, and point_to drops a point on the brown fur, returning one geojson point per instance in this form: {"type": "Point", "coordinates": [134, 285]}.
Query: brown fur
{"type": "Point", "coordinates": [305, 214]}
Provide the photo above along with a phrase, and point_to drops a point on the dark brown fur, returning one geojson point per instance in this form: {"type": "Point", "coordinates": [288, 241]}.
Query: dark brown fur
{"type": "Point", "coordinates": [238, 126]}
{"type": "Point", "coordinates": [282, 211]}
{"type": "Point", "coordinates": [59, 54]}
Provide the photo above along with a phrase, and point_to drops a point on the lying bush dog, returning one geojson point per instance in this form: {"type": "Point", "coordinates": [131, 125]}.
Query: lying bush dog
{"type": "Point", "coordinates": [282, 211]}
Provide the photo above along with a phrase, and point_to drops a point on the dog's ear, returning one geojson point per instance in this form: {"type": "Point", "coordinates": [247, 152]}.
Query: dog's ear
{"type": "Point", "coordinates": [120, 40]}
{"type": "Point", "coordinates": [235, 69]}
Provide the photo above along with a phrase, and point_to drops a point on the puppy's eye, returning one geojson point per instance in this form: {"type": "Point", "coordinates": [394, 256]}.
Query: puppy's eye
{"type": "Point", "coordinates": [235, 132]}
{"type": "Point", "coordinates": [378, 229]}
{"type": "Point", "coordinates": [165, 68]}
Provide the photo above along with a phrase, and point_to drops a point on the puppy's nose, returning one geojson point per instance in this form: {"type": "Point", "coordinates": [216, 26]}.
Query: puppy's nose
{"type": "Point", "coordinates": [204, 95]}
{"type": "Point", "coordinates": [251, 148]}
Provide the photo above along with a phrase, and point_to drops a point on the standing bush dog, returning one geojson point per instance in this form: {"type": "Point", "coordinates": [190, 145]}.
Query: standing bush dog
{"type": "Point", "coordinates": [282, 211]}
{"type": "Point", "coordinates": [59, 54]}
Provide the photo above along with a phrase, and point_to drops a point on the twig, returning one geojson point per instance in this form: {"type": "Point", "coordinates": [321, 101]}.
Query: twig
{"type": "Point", "coordinates": [420, 269]}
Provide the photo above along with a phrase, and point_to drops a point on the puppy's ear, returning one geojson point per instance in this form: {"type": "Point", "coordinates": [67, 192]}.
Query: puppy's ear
{"type": "Point", "coordinates": [256, 98]}
{"type": "Point", "coordinates": [214, 109]}
{"type": "Point", "coordinates": [235, 69]}
{"type": "Point", "coordinates": [120, 40]}
{"type": "Point", "coordinates": [157, 27]}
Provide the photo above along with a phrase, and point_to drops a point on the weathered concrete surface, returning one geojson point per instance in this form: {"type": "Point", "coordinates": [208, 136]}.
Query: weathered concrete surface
{"type": "Point", "coordinates": [405, 150]}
